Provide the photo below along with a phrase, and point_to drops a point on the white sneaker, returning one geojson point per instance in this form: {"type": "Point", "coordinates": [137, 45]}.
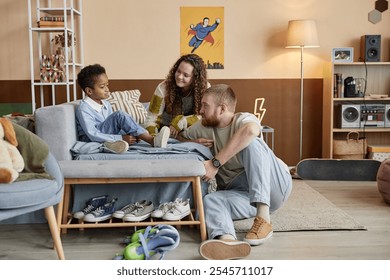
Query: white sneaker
{"type": "Point", "coordinates": [117, 147]}
{"type": "Point", "coordinates": [161, 139]}
{"type": "Point", "coordinates": [164, 208]}
{"type": "Point", "coordinates": [119, 214]}
{"type": "Point", "coordinates": [178, 211]}
{"type": "Point", "coordinates": [140, 213]}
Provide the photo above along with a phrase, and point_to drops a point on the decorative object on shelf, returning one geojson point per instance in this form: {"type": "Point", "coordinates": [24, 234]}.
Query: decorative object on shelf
{"type": "Point", "coordinates": [52, 69]}
{"type": "Point", "coordinates": [350, 148]}
{"type": "Point", "coordinates": [302, 34]}
{"type": "Point", "coordinates": [342, 55]}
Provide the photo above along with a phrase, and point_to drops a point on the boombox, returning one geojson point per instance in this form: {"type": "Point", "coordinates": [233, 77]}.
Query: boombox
{"type": "Point", "coordinates": [359, 115]}
{"type": "Point", "coordinates": [387, 115]}
{"type": "Point", "coordinates": [372, 115]}
{"type": "Point", "coordinates": [347, 116]}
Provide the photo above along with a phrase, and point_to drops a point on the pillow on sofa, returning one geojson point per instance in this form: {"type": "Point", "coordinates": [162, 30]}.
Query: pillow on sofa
{"type": "Point", "coordinates": [128, 101]}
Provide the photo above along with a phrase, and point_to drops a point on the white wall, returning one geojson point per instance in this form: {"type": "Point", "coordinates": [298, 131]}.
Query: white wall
{"type": "Point", "coordinates": [140, 39]}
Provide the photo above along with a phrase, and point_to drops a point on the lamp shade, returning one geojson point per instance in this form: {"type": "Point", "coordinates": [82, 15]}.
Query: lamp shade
{"type": "Point", "coordinates": [302, 34]}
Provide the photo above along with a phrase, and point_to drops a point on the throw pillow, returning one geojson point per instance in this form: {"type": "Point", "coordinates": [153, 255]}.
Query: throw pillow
{"type": "Point", "coordinates": [128, 101]}
{"type": "Point", "coordinates": [32, 148]}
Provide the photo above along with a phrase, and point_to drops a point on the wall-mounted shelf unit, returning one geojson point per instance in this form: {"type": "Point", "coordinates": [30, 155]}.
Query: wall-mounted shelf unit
{"type": "Point", "coordinates": [342, 115]}
{"type": "Point", "coordinates": [51, 65]}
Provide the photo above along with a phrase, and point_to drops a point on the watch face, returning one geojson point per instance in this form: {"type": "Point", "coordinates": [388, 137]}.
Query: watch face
{"type": "Point", "coordinates": [216, 163]}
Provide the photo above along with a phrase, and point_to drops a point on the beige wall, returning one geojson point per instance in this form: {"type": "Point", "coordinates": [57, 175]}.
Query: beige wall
{"type": "Point", "coordinates": [140, 39]}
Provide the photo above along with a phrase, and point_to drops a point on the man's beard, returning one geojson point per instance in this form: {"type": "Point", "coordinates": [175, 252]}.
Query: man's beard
{"type": "Point", "coordinates": [210, 122]}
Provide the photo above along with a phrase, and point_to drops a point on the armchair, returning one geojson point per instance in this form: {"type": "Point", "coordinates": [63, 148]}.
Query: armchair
{"type": "Point", "coordinates": [22, 197]}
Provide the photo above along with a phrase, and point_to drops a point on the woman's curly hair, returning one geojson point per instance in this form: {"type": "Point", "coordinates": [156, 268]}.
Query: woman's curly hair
{"type": "Point", "coordinates": [173, 99]}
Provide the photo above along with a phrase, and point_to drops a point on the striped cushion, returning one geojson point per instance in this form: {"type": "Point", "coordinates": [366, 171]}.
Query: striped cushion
{"type": "Point", "coordinates": [128, 101]}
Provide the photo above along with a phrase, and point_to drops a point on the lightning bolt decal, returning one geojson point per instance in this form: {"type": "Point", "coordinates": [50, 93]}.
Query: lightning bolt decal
{"type": "Point", "coordinates": [259, 111]}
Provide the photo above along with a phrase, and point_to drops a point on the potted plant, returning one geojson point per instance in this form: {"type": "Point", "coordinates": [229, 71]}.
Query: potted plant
{"type": "Point", "coordinates": [60, 41]}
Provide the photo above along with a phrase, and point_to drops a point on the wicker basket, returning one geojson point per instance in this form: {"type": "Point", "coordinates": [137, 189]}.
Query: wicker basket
{"type": "Point", "coordinates": [350, 148]}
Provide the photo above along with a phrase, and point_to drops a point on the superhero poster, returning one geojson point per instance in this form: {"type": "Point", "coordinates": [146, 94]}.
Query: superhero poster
{"type": "Point", "coordinates": [202, 33]}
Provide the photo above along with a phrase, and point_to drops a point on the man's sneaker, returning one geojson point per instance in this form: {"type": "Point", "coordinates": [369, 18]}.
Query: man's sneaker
{"type": "Point", "coordinates": [259, 233]}
{"type": "Point", "coordinates": [161, 139]}
{"type": "Point", "coordinates": [101, 213]}
{"type": "Point", "coordinates": [92, 204]}
{"type": "Point", "coordinates": [216, 249]}
{"type": "Point", "coordinates": [119, 214]}
{"type": "Point", "coordinates": [178, 211]}
{"type": "Point", "coordinates": [164, 239]}
{"type": "Point", "coordinates": [117, 147]}
{"type": "Point", "coordinates": [164, 208]}
{"type": "Point", "coordinates": [140, 212]}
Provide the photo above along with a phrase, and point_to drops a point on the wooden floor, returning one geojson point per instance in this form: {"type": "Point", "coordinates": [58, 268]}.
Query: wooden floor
{"type": "Point", "coordinates": [361, 200]}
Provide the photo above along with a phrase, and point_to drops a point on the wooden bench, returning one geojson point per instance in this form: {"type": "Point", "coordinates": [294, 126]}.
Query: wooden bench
{"type": "Point", "coordinates": [84, 172]}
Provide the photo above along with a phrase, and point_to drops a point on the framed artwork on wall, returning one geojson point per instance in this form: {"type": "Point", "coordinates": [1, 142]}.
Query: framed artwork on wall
{"type": "Point", "coordinates": [342, 55]}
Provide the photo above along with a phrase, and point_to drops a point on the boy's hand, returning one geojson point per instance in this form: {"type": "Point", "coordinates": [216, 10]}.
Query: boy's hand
{"type": "Point", "coordinates": [130, 139]}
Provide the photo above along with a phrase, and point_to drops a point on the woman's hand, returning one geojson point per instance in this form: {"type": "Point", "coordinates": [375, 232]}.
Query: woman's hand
{"type": "Point", "coordinates": [173, 131]}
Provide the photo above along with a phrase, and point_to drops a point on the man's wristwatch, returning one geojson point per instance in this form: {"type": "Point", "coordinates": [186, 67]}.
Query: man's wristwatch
{"type": "Point", "coordinates": [216, 163]}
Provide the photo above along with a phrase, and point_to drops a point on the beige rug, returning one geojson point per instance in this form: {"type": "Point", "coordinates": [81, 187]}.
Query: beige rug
{"type": "Point", "coordinates": [306, 209]}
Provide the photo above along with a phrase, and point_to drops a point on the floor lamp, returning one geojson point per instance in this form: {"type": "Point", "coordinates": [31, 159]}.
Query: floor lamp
{"type": "Point", "coordinates": [302, 34]}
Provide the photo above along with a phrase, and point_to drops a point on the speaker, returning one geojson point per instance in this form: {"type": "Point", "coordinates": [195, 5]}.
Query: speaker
{"type": "Point", "coordinates": [387, 115]}
{"type": "Point", "coordinates": [370, 48]}
{"type": "Point", "coordinates": [348, 115]}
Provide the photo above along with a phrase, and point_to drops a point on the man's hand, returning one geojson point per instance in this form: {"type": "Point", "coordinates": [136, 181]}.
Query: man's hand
{"type": "Point", "coordinates": [218, 20]}
{"type": "Point", "coordinates": [211, 171]}
{"type": "Point", "coordinates": [205, 142]}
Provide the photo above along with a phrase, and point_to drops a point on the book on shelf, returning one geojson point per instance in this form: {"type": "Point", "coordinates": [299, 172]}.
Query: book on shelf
{"type": "Point", "coordinates": [43, 23]}
{"type": "Point", "coordinates": [338, 85]}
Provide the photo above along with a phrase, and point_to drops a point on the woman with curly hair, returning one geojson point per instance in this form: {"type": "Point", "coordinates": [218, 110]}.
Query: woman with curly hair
{"type": "Point", "coordinates": [176, 101]}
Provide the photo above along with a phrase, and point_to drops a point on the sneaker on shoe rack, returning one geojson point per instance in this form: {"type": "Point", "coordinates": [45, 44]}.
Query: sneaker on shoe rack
{"type": "Point", "coordinates": [101, 213]}
{"type": "Point", "coordinates": [117, 147]}
{"type": "Point", "coordinates": [119, 214]}
{"type": "Point", "coordinates": [216, 249]}
{"type": "Point", "coordinates": [178, 211]}
{"type": "Point", "coordinates": [164, 208]}
{"type": "Point", "coordinates": [259, 233]}
{"type": "Point", "coordinates": [165, 238]}
{"type": "Point", "coordinates": [161, 139]}
{"type": "Point", "coordinates": [140, 212]}
{"type": "Point", "coordinates": [92, 204]}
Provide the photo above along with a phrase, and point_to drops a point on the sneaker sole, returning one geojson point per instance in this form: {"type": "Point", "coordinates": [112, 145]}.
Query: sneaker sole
{"type": "Point", "coordinates": [99, 219]}
{"type": "Point", "coordinates": [224, 250]}
{"type": "Point", "coordinates": [255, 242]}
{"type": "Point", "coordinates": [165, 138]}
{"type": "Point", "coordinates": [175, 218]}
{"type": "Point", "coordinates": [118, 216]}
{"type": "Point", "coordinates": [136, 219]}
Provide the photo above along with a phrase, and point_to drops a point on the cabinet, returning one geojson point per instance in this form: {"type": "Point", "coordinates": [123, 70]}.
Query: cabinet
{"type": "Point", "coordinates": [370, 122]}
{"type": "Point", "coordinates": [54, 67]}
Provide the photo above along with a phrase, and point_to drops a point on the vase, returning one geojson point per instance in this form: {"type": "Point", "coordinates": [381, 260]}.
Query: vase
{"type": "Point", "coordinates": [63, 49]}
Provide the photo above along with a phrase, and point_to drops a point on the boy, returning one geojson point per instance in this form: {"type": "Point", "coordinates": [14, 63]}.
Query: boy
{"type": "Point", "coordinates": [98, 123]}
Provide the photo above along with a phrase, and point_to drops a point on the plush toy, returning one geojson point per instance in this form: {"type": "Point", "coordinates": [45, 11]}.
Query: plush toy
{"type": "Point", "coordinates": [11, 161]}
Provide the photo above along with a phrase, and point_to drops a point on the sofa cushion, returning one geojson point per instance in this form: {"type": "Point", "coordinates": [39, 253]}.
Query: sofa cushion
{"type": "Point", "coordinates": [128, 101]}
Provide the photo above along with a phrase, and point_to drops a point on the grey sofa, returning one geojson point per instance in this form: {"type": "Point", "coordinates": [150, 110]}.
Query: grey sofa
{"type": "Point", "coordinates": [56, 125]}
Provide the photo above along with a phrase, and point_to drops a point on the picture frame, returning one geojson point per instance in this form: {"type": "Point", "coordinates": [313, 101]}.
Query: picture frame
{"type": "Point", "coordinates": [342, 55]}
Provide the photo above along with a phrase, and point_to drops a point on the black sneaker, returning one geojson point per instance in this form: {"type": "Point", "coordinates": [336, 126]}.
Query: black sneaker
{"type": "Point", "coordinates": [101, 213]}
{"type": "Point", "coordinates": [92, 204]}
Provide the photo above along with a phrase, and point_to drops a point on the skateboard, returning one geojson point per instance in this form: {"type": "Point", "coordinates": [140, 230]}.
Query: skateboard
{"type": "Point", "coordinates": [338, 169]}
